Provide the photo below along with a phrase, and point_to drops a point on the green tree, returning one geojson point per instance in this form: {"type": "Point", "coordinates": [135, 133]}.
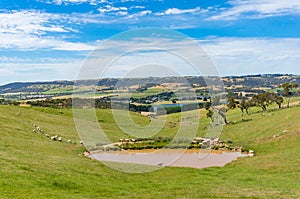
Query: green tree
{"type": "Point", "coordinates": [288, 90]}
{"type": "Point", "coordinates": [244, 105]}
{"type": "Point", "coordinates": [262, 100]}
{"type": "Point", "coordinates": [278, 100]}
{"type": "Point", "coordinates": [210, 114]}
{"type": "Point", "coordinates": [231, 104]}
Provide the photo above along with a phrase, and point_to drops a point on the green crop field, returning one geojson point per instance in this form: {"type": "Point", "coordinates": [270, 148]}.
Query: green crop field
{"type": "Point", "coordinates": [33, 166]}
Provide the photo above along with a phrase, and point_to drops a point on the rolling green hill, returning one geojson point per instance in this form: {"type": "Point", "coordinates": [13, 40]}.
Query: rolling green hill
{"type": "Point", "coordinates": [33, 166]}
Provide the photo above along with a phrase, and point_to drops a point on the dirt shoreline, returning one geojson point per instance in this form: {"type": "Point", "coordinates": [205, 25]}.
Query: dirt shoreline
{"type": "Point", "coordinates": [205, 151]}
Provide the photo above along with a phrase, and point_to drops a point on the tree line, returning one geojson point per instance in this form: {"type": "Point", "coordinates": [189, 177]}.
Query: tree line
{"type": "Point", "coordinates": [262, 100]}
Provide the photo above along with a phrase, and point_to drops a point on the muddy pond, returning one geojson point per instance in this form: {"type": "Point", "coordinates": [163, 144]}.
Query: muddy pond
{"type": "Point", "coordinates": [170, 157]}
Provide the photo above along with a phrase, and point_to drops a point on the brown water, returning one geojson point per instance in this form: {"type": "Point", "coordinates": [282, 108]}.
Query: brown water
{"type": "Point", "coordinates": [170, 157]}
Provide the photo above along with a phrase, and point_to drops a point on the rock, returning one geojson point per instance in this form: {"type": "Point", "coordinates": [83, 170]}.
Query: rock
{"type": "Point", "coordinates": [53, 138]}
{"type": "Point", "coordinates": [251, 153]}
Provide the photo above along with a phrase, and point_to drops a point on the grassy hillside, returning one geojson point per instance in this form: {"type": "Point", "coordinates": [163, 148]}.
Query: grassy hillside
{"type": "Point", "coordinates": [32, 166]}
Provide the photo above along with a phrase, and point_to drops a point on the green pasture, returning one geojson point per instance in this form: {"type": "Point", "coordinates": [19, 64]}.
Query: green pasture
{"type": "Point", "coordinates": [33, 166]}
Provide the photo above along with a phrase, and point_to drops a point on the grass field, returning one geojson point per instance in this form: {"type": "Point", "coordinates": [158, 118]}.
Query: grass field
{"type": "Point", "coordinates": [33, 166]}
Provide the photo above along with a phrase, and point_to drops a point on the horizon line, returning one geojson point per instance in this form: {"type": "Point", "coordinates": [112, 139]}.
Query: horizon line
{"type": "Point", "coordinates": [61, 80]}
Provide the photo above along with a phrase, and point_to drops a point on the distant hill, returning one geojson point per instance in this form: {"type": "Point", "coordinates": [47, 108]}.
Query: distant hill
{"type": "Point", "coordinates": [264, 80]}
{"type": "Point", "coordinates": [246, 83]}
{"type": "Point", "coordinates": [32, 86]}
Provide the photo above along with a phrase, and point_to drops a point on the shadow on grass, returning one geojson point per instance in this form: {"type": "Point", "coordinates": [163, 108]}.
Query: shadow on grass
{"type": "Point", "coordinates": [238, 122]}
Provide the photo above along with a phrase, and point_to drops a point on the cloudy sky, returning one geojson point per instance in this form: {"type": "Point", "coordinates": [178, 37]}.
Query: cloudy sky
{"type": "Point", "coordinates": [50, 39]}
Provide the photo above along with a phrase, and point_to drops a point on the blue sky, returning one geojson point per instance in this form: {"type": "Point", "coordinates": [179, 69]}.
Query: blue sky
{"type": "Point", "coordinates": [50, 39]}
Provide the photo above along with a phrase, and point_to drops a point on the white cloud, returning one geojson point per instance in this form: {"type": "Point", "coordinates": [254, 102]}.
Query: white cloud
{"type": "Point", "coordinates": [231, 55]}
{"type": "Point", "coordinates": [137, 7]}
{"type": "Point", "coordinates": [109, 8]}
{"type": "Point", "coordinates": [178, 11]}
{"type": "Point", "coordinates": [122, 13]}
{"type": "Point", "coordinates": [29, 22]}
{"type": "Point", "coordinates": [44, 68]}
{"type": "Point", "coordinates": [127, 1]}
{"type": "Point", "coordinates": [258, 9]}
{"type": "Point", "coordinates": [28, 30]}
{"type": "Point", "coordinates": [145, 12]}
{"type": "Point", "coordinates": [60, 2]}
{"type": "Point", "coordinates": [140, 14]}
{"type": "Point", "coordinates": [86, 18]}
{"type": "Point", "coordinates": [32, 42]}
{"type": "Point", "coordinates": [254, 55]}
{"type": "Point", "coordinates": [16, 72]}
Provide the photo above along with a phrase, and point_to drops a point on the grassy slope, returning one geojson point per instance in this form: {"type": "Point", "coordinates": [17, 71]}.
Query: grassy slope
{"type": "Point", "coordinates": [32, 166]}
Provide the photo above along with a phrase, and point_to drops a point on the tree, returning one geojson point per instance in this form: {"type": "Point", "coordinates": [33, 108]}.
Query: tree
{"type": "Point", "coordinates": [287, 90]}
{"type": "Point", "coordinates": [262, 100]}
{"type": "Point", "coordinates": [222, 112]}
{"type": "Point", "coordinates": [278, 100]}
{"type": "Point", "coordinates": [244, 105]}
{"type": "Point", "coordinates": [231, 102]}
{"type": "Point", "coordinates": [230, 105]}
{"type": "Point", "coordinates": [210, 114]}
{"type": "Point", "coordinates": [215, 100]}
